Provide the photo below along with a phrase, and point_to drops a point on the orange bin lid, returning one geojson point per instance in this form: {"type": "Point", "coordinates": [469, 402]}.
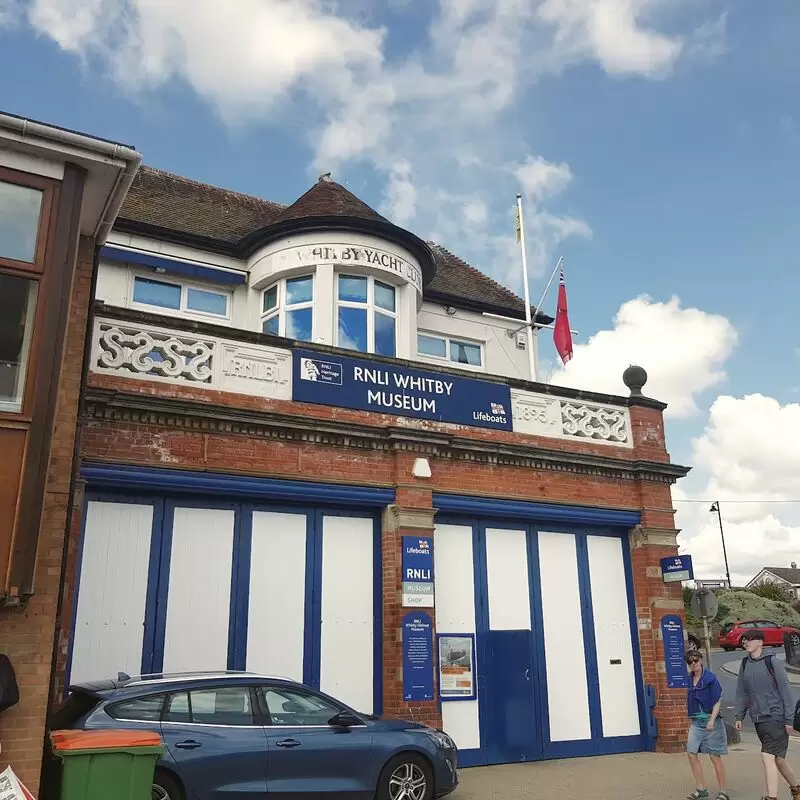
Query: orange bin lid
{"type": "Point", "coordinates": [102, 740]}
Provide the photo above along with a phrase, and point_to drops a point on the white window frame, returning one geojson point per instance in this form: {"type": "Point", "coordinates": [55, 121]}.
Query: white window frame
{"type": "Point", "coordinates": [371, 308]}
{"type": "Point", "coordinates": [184, 310]}
{"type": "Point", "coordinates": [281, 308]}
{"type": "Point", "coordinates": [448, 340]}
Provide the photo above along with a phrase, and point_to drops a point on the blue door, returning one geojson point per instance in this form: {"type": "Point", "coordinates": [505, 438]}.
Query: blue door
{"type": "Point", "coordinates": [217, 743]}
{"type": "Point", "coordinates": [308, 758]}
{"type": "Point", "coordinates": [509, 714]}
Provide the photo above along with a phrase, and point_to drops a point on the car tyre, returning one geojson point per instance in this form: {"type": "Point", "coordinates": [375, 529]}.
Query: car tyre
{"type": "Point", "coordinates": [727, 649]}
{"type": "Point", "coordinates": [406, 777]}
{"type": "Point", "coordinates": [165, 787]}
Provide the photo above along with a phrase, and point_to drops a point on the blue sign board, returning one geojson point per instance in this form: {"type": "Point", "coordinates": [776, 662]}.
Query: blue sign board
{"type": "Point", "coordinates": [674, 652]}
{"type": "Point", "coordinates": [677, 568]}
{"type": "Point", "coordinates": [417, 657]}
{"type": "Point", "coordinates": [417, 566]}
{"type": "Point", "coordinates": [396, 389]}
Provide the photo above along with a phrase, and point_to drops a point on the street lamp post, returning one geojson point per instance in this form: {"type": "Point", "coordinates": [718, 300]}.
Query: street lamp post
{"type": "Point", "coordinates": [715, 507]}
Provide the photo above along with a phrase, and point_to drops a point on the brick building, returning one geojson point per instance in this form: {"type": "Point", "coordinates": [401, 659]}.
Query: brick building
{"type": "Point", "coordinates": [287, 408]}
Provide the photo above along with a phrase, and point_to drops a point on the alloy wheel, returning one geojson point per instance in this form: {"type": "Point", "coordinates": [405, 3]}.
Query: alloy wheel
{"type": "Point", "coordinates": [408, 782]}
{"type": "Point", "coordinates": [159, 793]}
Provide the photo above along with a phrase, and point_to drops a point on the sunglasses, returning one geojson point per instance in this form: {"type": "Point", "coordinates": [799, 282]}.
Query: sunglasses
{"type": "Point", "coordinates": [693, 661]}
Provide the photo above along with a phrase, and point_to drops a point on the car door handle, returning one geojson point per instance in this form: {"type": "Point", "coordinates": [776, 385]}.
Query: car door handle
{"type": "Point", "coordinates": [288, 743]}
{"type": "Point", "coordinates": [190, 744]}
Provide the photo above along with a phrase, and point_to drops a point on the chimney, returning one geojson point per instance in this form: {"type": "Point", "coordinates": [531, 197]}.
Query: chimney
{"type": "Point", "coordinates": [794, 565]}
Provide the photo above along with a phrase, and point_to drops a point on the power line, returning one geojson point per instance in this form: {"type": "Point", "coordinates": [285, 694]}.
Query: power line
{"type": "Point", "coordinates": [736, 501]}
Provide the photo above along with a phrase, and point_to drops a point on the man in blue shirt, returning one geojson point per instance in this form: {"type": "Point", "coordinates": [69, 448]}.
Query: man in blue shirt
{"type": "Point", "coordinates": [706, 728]}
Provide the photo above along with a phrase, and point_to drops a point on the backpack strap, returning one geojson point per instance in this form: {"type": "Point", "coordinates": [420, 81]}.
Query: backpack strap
{"type": "Point", "coordinates": [771, 669]}
{"type": "Point", "coordinates": [743, 665]}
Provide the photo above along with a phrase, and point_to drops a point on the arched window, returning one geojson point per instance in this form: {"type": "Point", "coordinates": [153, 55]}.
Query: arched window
{"type": "Point", "coordinates": [288, 308]}
{"type": "Point", "coordinates": [366, 315]}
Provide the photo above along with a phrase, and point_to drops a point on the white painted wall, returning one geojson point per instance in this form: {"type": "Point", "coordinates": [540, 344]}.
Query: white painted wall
{"type": "Point", "coordinates": [276, 611]}
{"type": "Point", "coordinates": [198, 604]}
{"type": "Point", "coordinates": [507, 578]}
{"type": "Point", "coordinates": [112, 594]}
{"type": "Point", "coordinates": [348, 590]}
{"type": "Point", "coordinates": [501, 354]}
{"type": "Point", "coordinates": [454, 574]}
{"type": "Point", "coordinates": [618, 700]}
{"type": "Point", "coordinates": [567, 685]}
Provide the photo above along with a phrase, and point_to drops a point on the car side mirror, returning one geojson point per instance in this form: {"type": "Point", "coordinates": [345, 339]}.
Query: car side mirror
{"type": "Point", "coordinates": [344, 719]}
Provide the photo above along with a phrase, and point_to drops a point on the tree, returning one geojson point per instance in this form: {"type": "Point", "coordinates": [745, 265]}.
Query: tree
{"type": "Point", "coordinates": [773, 591]}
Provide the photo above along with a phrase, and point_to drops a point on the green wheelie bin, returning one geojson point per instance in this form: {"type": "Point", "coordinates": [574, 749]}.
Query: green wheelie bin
{"type": "Point", "coordinates": [106, 765]}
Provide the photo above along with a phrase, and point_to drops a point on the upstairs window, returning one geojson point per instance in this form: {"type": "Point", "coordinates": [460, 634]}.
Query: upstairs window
{"type": "Point", "coordinates": [447, 349]}
{"type": "Point", "coordinates": [366, 315]}
{"type": "Point", "coordinates": [20, 212]}
{"type": "Point", "coordinates": [179, 297]}
{"type": "Point", "coordinates": [288, 309]}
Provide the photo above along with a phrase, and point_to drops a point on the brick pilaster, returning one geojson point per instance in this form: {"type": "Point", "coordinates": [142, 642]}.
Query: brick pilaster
{"type": "Point", "coordinates": [398, 522]}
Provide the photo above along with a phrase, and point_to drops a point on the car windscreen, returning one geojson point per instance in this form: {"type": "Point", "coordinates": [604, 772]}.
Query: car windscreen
{"type": "Point", "coordinates": [77, 705]}
{"type": "Point", "coordinates": [727, 628]}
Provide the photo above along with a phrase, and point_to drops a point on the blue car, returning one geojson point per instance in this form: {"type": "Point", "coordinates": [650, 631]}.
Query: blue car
{"type": "Point", "coordinates": [236, 735]}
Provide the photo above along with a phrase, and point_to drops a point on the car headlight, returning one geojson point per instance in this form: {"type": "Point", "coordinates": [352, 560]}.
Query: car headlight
{"type": "Point", "coordinates": [441, 739]}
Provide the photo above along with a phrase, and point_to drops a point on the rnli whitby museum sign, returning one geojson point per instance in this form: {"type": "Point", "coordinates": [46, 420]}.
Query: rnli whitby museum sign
{"type": "Point", "coordinates": [389, 389]}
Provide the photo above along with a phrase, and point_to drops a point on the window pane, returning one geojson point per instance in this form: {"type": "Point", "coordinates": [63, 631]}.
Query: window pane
{"type": "Point", "coordinates": [207, 302]}
{"type": "Point", "coordinates": [463, 353]}
{"type": "Point", "coordinates": [290, 707]}
{"type": "Point", "coordinates": [273, 325]}
{"type": "Point", "coordinates": [222, 706]}
{"type": "Point", "coordinates": [299, 290]}
{"type": "Point", "coordinates": [384, 296]}
{"type": "Point", "coordinates": [431, 346]}
{"type": "Point", "coordinates": [17, 310]}
{"type": "Point", "coordinates": [384, 334]}
{"type": "Point", "coordinates": [157, 293]}
{"type": "Point", "coordinates": [352, 289]}
{"type": "Point", "coordinates": [271, 298]}
{"type": "Point", "coordinates": [20, 209]}
{"type": "Point", "coordinates": [353, 328]}
{"type": "Point", "coordinates": [298, 324]}
{"type": "Point", "coordinates": [144, 709]}
{"type": "Point", "coordinates": [178, 708]}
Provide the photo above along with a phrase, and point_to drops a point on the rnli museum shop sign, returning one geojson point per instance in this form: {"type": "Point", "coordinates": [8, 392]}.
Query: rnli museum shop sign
{"type": "Point", "coordinates": [389, 389]}
{"type": "Point", "coordinates": [417, 565]}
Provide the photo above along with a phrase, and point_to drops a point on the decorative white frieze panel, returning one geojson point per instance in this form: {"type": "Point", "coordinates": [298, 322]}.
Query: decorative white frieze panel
{"type": "Point", "coordinates": [144, 351]}
{"type": "Point", "coordinates": [544, 415]}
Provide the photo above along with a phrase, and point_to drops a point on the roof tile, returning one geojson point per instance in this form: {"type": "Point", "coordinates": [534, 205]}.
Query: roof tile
{"type": "Point", "coordinates": [171, 203]}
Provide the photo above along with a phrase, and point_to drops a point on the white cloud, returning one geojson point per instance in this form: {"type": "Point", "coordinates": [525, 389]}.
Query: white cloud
{"type": "Point", "coordinates": [401, 196]}
{"type": "Point", "coordinates": [682, 349]}
{"type": "Point", "coordinates": [613, 33]}
{"type": "Point", "coordinates": [445, 107]}
{"type": "Point", "coordinates": [748, 458]}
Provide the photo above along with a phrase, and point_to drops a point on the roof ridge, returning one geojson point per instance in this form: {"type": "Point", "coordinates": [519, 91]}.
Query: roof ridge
{"type": "Point", "coordinates": [471, 268]}
{"type": "Point", "coordinates": [203, 185]}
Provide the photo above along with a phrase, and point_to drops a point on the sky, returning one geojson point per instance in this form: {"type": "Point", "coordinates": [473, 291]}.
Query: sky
{"type": "Point", "coordinates": [654, 141]}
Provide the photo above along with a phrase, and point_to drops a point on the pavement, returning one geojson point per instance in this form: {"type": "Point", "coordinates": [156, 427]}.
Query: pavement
{"type": "Point", "coordinates": [634, 776]}
{"type": "Point", "coordinates": [640, 775]}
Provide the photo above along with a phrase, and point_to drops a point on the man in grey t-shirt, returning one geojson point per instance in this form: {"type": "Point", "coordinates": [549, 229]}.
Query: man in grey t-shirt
{"type": "Point", "coordinates": [766, 696]}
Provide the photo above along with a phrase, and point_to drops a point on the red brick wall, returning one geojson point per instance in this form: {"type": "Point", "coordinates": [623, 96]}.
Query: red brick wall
{"type": "Point", "coordinates": [26, 635]}
{"type": "Point", "coordinates": [164, 446]}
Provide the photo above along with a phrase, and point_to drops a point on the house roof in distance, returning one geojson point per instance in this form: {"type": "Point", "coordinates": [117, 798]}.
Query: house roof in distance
{"type": "Point", "coordinates": [167, 206]}
{"type": "Point", "coordinates": [788, 574]}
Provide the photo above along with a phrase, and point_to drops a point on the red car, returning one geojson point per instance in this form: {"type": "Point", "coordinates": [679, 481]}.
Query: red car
{"type": "Point", "coordinates": [730, 637]}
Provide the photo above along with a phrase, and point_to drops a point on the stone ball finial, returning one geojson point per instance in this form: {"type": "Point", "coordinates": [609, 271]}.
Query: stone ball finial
{"type": "Point", "coordinates": [635, 378]}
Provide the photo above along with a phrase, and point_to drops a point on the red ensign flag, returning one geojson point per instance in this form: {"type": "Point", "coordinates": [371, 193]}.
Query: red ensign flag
{"type": "Point", "coordinates": [561, 333]}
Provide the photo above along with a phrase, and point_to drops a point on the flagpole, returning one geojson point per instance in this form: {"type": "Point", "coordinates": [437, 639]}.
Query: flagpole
{"type": "Point", "coordinates": [528, 321]}
{"type": "Point", "coordinates": [549, 283]}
